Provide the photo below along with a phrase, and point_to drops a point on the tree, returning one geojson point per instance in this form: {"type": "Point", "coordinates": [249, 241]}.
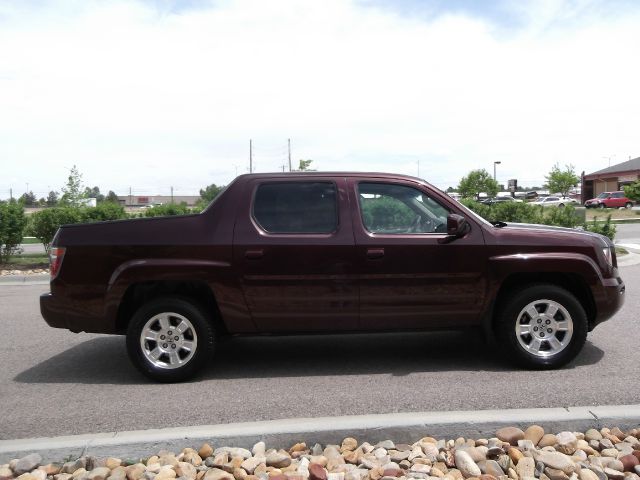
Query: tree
{"type": "Point", "coordinates": [112, 197]}
{"type": "Point", "coordinates": [72, 193]}
{"type": "Point", "coordinates": [12, 223]}
{"type": "Point", "coordinates": [52, 199]}
{"type": "Point", "coordinates": [633, 191]}
{"type": "Point", "coordinates": [209, 193]}
{"type": "Point", "coordinates": [561, 181]}
{"type": "Point", "coordinates": [28, 199]}
{"type": "Point", "coordinates": [94, 193]}
{"type": "Point", "coordinates": [304, 165]}
{"type": "Point", "coordinates": [478, 181]}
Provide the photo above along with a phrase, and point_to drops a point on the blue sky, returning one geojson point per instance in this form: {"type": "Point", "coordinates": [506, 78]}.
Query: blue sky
{"type": "Point", "coordinates": [154, 94]}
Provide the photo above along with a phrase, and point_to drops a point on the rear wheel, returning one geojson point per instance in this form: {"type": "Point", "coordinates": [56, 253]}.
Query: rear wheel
{"type": "Point", "coordinates": [543, 326]}
{"type": "Point", "coordinates": [170, 339]}
{"type": "Point", "coordinates": [628, 205]}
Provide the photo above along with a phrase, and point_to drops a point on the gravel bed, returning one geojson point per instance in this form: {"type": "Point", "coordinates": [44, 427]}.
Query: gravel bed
{"type": "Point", "coordinates": [35, 271]}
{"type": "Point", "coordinates": [513, 454]}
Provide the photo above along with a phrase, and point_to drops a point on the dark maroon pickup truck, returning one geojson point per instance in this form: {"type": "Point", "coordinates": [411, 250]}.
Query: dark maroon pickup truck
{"type": "Point", "coordinates": [342, 252]}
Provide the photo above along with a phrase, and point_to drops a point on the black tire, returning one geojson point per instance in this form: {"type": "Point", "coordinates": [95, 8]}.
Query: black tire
{"type": "Point", "coordinates": [512, 316]}
{"type": "Point", "coordinates": [628, 205]}
{"type": "Point", "coordinates": [601, 205]}
{"type": "Point", "coordinates": [194, 346]}
{"type": "Point", "coordinates": [561, 205]}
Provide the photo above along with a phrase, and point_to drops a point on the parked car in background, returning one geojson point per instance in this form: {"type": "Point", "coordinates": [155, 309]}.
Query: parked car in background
{"type": "Point", "coordinates": [609, 200]}
{"type": "Point", "coordinates": [553, 201]}
{"type": "Point", "coordinates": [500, 199]}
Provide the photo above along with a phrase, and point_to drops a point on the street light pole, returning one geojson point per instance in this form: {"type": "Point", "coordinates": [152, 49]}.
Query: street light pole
{"type": "Point", "coordinates": [494, 168]}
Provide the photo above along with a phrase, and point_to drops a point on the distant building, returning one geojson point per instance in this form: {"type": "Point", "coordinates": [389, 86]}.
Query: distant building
{"type": "Point", "coordinates": [150, 200]}
{"type": "Point", "coordinates": [610, 179]}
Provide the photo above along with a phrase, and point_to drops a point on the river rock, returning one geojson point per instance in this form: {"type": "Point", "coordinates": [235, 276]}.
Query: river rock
{"type": "Point", "coordinates": [186, 469]}
{"type": "Point", "coordinates": [547, 440]}
{"type": "Point", "coordinates": [534, 433]}
{"type": "Point", "coordinates": [205, 450]}
{"type": "Point", "coordinates": [556, 460]}
{"type": "Point", "coordinates": [629, 462]}
{"type": "Point", "coordinates": [554, 474]}
{"type": "Point", "coordinates": [515, 455]}
{"type": "Point", "coordinates": [466, 465]}
{"type": "Point", "coordinates": [135, 472]}
{"type": "Point", "coordinates": [586, 474]}
{"type": "Point", "coordinates": [526, 467]}
{"type": "Point", "coordinates": [218, 474]}
{"type": "Point", "coordinates": [100, 473]}
{"type": "Point", "coordinates": [566, 443]}
{"type": "Point", "coordinates": [613, 474]}
{"type": "Point", "coordinates": [6, 473]}
{"type": "Point", "coordinates": [616, 465]}
{"type": "Point", "coordinates": [28, 463]}
{"type": "Point", "coordinates": [317, 472]}
{"type": "Point", "coordinates": [511, 435]}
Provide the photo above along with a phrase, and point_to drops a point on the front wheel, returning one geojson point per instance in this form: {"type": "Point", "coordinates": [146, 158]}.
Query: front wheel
{"type": "Point", "coordinates": [543, 326]}
{"type": "Point", "coordinates": [170, 339]}
{"type": "Point", "coordinates": [601, 205]}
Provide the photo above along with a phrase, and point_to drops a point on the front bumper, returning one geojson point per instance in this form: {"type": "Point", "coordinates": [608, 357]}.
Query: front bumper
{"type": "Point", "coordinates": [609, 298]}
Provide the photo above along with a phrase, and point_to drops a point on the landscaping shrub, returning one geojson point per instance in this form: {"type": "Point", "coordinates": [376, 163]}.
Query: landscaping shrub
{"type": "Point", "coordinates": [45, 223]}
{"type": "Point", "coordinates": [104, 211]}
{"type": "Point", "coordinates": [168, 209]}
{"type": "Point", "coordinates": [12, 223]}
{"type": "Point", "coordinates": [603, 228]}
{"type": "Point", "coordinates": [520, 212]}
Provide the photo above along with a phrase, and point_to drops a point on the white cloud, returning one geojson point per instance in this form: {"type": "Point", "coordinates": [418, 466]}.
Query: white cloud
{"type": "Point", "coordinates": [137, 96]}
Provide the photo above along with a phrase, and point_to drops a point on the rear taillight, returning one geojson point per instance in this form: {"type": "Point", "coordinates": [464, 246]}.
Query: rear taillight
{"type": "Point", "coordinates": [56, 254]}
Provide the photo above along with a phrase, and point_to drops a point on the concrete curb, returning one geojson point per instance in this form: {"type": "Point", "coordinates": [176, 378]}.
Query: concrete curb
{"type": "Point", "coordinates": [42, 279]}
{"type": "Point", "coordinates": [400, 427]}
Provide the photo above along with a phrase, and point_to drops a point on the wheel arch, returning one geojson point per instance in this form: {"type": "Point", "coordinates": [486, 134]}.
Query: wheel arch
{"type": "Point", "coordinates": [572, 282]}
{"type": "Point", "coordinates": [140, 293]}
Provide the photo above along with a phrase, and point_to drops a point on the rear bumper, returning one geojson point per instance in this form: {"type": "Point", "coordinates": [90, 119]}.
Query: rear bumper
{"type": "Point", "coordinates": [609, 298]}
{"type": "Point", "coordinates": [52, 311]}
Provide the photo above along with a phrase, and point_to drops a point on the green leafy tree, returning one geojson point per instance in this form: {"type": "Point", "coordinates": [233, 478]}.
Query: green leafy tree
{"type": "Point", "coordinates": [476, 182]}
{"type": "Point", "coordinates": [45, 223]}
{"type": "Point", "coordinates": [12, 223]}
{"type": "Point", "coordinates": [561, 181]}
{"type": "Point", "coordinates": [210, 192]}
{"type": "Point", "coordinates": [112, 197]}
{"type": "Point", "coordinates": [52, 199]}
{"type": "Point", "coordinates": [633, 191]}
{"type": "Point", "coordinates": [94, 193]}
{"type": "Point", "coordinates": [304, 165]}
{"type": "Point", "coordinates": [28, 199]}
{"type": "Point", "coordinates": [72, 192]}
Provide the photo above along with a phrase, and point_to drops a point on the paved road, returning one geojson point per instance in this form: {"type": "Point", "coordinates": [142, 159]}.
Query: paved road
{"type": "Point", "coordinates": [629, 233]}
{"type": "Point", "coordinates": [54, 382]}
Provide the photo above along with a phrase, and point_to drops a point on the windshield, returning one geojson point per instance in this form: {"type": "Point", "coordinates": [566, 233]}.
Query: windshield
{"type": "Point", "coordinates": [603, 195]}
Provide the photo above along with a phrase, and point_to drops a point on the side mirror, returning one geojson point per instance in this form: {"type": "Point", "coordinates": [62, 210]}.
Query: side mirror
{"type": "Point", "coordinates": [456, 225]}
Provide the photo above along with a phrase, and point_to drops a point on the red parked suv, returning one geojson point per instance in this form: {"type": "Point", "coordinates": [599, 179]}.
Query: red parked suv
{"type": "Point", "coordinates": [609, 200]}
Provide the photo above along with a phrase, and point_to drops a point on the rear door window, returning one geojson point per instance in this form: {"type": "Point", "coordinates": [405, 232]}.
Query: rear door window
{"type": "Point", "coordinates": [296, 207]}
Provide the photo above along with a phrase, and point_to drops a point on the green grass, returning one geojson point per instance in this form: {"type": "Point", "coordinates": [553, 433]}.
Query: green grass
{"type": "Point", "coordinates": [26, 262]}
{"type": "Point", "coordinates": [30, 240]}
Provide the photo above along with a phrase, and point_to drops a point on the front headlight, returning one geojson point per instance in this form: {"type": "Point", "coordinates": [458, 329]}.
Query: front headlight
{"type": "Point", "coordinates": [608, 255]}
